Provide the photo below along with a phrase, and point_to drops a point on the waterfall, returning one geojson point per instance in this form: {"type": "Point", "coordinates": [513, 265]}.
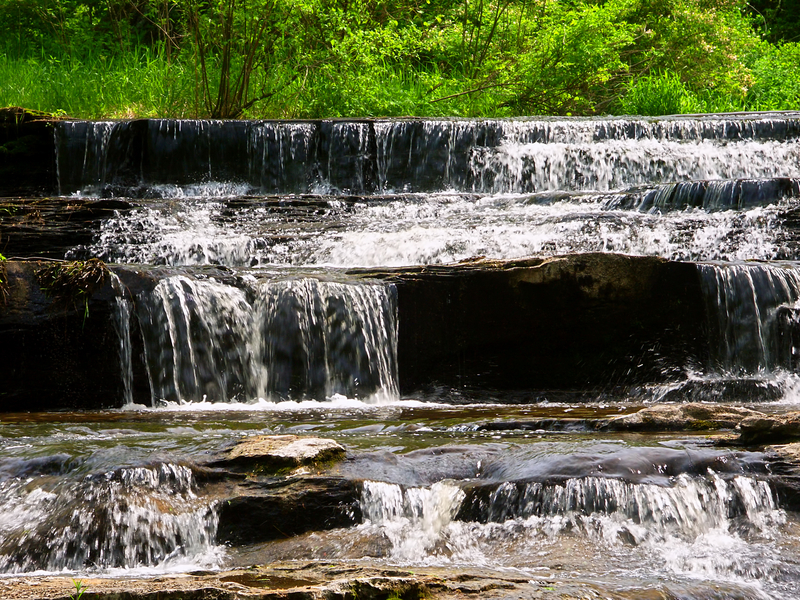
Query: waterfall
{"type": "Point", "coordinates": [367, 157]}
{"type": "Point", "coordinates": [753, 316]}
{"type": "Point", "coordinates": [132, 517]}
{"type": "Point", "coordinates": [122, 324]}
{"type": "Point", "coordinates": [295, 339]}
{"type": "Point", "coordinates": [688, 508]}
{"type": "Point", "coordinates": [685, 524]}
{"type": "Point", "coordinates": [414, 519]}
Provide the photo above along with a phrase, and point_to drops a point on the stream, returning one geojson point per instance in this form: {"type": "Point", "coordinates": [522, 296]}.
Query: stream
{"type": "Point", "coordinates": [290, 341]}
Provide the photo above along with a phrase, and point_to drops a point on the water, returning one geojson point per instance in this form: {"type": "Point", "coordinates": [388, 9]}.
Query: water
{"type": "Point", "coordinates": [298, 338]}
{"type": "Point", "coordinates": [254, 325]}
{"type": "Point", "coordinates": [439, 490]}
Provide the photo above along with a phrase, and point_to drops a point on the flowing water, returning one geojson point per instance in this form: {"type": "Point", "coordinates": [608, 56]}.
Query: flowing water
{"type": "Point", "coordinates": [287, 342]}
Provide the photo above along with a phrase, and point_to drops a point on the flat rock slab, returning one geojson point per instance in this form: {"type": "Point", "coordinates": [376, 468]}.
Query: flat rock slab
{"type": "Point", "coordinates": [324, 581]}
{"type": "Point", "coordinates": [280, 452]}
{"type": "Point", "coordinates": [765, 428]}
{"type": "Point", "coordinates": [683, 417]}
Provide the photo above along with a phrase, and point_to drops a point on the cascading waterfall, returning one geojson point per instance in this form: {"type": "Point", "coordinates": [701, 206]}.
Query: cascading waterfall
{"type": "Point", "coordinates": [421, 156]}
{"type": "Point", "coordinates": [129, 518]}
{"type": "Point", "coordinates": [246, 200]}
{"type": "Point", "coordinates": [122, 323]}
{"type": "Point", "coordinates": [414, 519]}
{"type": "Point", "coordinates": [294, 339]}
{"type": "Point", "coordinates": [674, 521]}
{"type": "Point", "coordinates": [752, 313]}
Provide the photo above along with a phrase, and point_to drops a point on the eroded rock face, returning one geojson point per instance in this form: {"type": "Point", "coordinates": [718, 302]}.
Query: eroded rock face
{"type": "Point", "coordinates": [574, 322]}
{"type": "Point", "coordinates": [56, 355]}
{"type": "Point", "coordinates": [571, 323]}
{"type": "Point", "coordinates": [765, 428]}
{"type": "Point", "coordinates": [277, 452]}
{"type": "Point", "coordinates": [682, 417]}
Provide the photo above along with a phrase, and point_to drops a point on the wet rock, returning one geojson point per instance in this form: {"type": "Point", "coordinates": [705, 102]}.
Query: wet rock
{"type": "Point", "coordinates": [51, 227]}
{"type": "Point", "coordinates": [27, 153]}
{"type": "Point", "coordinates": [575, 322]}
{"type": "Point", "coordinates": [764, 428]}
{"type": "Point", "coordinates": [283, 508]}
{"type": "Point", "coordinates": [682, 417]}
{"type": "Point", "coordinates": [279, 452]}
{"type": "Point", "coordinates": [56, 355]}
{"type": "Point", "coordinates": [784, 463]}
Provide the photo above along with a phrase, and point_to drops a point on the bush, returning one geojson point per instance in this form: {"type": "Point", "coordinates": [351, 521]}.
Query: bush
{"type": "Point", "coordinates": [661, 94]}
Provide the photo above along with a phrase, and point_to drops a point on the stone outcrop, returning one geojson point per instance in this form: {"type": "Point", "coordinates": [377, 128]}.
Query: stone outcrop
{"type": "Point", "coordinates": [584, 321]}
{"type": "Point", "coordinates": [51, 227]}
{"type": "Point", "coordinates": [56, 353]}
{"type": "Point", "coordinates": [276, 509]}
{"type": "Point", "coordinates": [279, 452]}
{"type": "Point", "coordinates": [682, 417]}
{"type": "Point", "coordinates": [770, 428]}
{"type": "Point", "coordinates": [27, 153]}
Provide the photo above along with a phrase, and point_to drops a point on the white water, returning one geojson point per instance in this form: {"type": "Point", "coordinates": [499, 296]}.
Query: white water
{"type": "Point", "coordinates": [287, 339]}
{"type": "Point", "coordinates": [131, 518]}
{"type": "Point", "coordinates": [704, 528]}
{"type": "Point", "coordinates": [618, 164]}
{"type": "Point", "coordinates": [756, 308]}
{"type": "Point", "coordinates": [433, 230]}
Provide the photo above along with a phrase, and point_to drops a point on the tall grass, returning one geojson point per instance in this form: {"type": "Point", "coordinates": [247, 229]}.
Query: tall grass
{"type": "Point", "coordinates": [133, 84]}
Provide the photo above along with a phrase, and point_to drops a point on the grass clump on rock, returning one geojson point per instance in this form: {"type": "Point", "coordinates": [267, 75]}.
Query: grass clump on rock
{"type": "Point", "coordinates": [73, 282]}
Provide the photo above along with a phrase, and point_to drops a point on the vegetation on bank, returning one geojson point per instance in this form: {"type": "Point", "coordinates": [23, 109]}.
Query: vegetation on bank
{"type": "Point", "coordinates": [332, 58]}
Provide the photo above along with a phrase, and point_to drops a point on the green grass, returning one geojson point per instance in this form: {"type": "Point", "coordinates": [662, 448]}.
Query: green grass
{"type": "Point", "coordinates": [145, 84]}
{"type": "Point", "coordinates": [133, 85]}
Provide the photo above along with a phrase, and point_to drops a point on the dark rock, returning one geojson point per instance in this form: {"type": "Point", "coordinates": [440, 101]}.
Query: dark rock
{"type": "Point", "coordinates": [784, 464]}
{"type": "Point", "coordinates": [56, 355]}
{"type": "Point", "coordinates": [586, 321]}
{"type": "Point", "coordinates": [288, 507]}
{"type": "Point", "coordinates": [27, 153]}
{"type": "Point", "coordinates": [50, 227]}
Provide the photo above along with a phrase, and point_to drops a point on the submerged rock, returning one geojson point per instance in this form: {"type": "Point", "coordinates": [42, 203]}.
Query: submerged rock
{"type": "Point", "coordinates": [682, 417]}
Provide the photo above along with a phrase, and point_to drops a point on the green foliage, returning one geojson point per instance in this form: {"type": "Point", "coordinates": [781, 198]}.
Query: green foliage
{"type": "Point", "coordinates": [80, 589]}
{"type": "Point", "coordinates": [776, 74]}
{"type": "Point", "coordinates": [779, 19]}
{"type": "Point", "coordinates": [659, 94]}
{"type": "Point", "coordinates": [337, 58]}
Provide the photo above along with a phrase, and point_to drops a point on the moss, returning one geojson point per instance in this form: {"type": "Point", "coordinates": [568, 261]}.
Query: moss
{"type": "Point", "coordinates": [701, 425]}
{"type": "Point", "coordinates": [19, 147]}
{"type": "Point", "coordinates": [14, 115]}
